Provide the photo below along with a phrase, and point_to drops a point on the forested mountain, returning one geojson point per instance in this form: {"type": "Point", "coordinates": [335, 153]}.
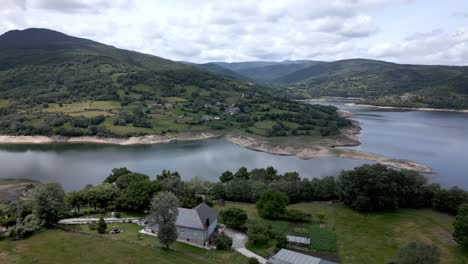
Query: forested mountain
{"type": "Point", "coordinates": [265, 71]}
{"type": "Point", "coordinates": [383, 83]}
{"type": "Point", "coordinates": [55, 84]}
{"type": "Point", "coordinates": [379, 82]}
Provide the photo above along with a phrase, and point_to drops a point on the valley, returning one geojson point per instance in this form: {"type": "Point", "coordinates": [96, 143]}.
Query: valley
{"type": "Point", "coordinates": [378, 82]}
{"type": "Point", "coordinates": [112, 155]}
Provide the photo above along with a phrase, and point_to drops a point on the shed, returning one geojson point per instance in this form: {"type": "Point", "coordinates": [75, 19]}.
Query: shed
{"type": "Point", "coordinates": [297, 240]}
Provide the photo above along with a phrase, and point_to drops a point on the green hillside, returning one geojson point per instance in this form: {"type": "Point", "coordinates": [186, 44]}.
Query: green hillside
{"type": "Point", "coordinates": [382, 83]}
{"type": "Point", "coordinates": [54, 84]}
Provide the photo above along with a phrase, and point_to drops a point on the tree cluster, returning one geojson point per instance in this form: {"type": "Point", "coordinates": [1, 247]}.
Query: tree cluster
{"type": "Point", "coordinates": [376, 188]}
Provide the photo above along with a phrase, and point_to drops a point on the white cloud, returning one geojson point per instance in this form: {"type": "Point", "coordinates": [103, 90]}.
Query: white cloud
{"type": "Point", "coordinates": [206, 30]}
{"type": "Point", "coordinates": [433, 47]}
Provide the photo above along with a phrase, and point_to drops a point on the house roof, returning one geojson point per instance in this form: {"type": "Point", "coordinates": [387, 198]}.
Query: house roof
{"type": "Point", "coordinates": [205, 212]}
{"type": "Point", "coordinates": [285, 256]}
{"type": "Point", "coordinates": [196, 217]}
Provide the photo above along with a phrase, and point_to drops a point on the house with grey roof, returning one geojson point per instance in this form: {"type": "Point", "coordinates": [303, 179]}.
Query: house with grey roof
{"type": "Point", "coordinates": [195, 225]}
{"type": "Point", "coordinates": [285, 256]}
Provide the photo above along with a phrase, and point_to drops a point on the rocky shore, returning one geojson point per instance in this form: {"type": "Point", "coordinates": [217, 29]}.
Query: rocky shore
{"type": "Point", "coordinates": [324, 152]}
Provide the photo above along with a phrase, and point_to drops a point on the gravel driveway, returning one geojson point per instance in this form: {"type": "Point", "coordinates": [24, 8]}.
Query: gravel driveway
{"type": "Point", "coordinates": [239, 239]}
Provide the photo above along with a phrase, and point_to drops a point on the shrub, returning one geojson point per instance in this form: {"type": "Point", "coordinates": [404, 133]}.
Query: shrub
{"type": "Point", "coordinates": [92, 226]}
{"type": "Point", "coordinates": [281, 242]}
{"type": "Point", "coordinates": [460, 233]}
{"type": "Point", "coordinates": [29, 225]}
{"type": "Point", "coordinates": [101, 226]}
{"type": "Point", "coordinates": [294, 215]}
{"type": "Point", "coordinates": [253, 260]}
{"type": "Point", "coordinates": [223, 242]}
{"type": "Point", "coordinates": [208, 201]}
{"type": "Point", "coordinates": [118, 215]}
{"type": "Point", "coordinates": [233, 217]}
{"type": "Point", "coordinates": [8, 222]}
{"type": "Point", "coordinates": [259, 233]}
{"type": "Point", "coordinates": [449, 200]}
{"type": "Point", "coordinates": [321, 217]}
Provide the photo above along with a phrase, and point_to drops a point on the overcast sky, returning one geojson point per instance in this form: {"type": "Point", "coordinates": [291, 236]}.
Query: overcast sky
{"type": "Point", "coordinates": [405, 31]}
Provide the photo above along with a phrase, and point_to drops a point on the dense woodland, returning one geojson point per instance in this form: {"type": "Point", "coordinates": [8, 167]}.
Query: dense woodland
{"type": "Point", "coordinates": [67, 86]}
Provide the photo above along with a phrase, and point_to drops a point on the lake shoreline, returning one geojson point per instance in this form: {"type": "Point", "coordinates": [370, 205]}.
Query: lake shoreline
{"type": "Point", "coordinates": [143, 140]}
{"type": "Point", "coordinates": [410, 108]}
{"type": "Point", "coordinates": [307, 153]}
{"type": "Point", "coordinates": [326, 148]}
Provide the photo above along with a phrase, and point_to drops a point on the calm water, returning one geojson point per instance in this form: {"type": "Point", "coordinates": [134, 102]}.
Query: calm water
{"type": "Point", "coordinates": [437, 139]}
{"type": "Point", "coordinates": [74, 166]}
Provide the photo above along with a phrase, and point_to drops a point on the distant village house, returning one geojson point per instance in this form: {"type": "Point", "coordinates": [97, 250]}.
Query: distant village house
{"type": "Point", "coordinates": [232, 109]}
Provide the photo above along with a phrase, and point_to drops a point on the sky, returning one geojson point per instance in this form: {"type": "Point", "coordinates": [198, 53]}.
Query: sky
{"type": "Point", "coordinates": [402, 31]}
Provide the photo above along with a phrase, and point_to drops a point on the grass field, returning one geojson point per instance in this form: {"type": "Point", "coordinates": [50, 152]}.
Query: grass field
{"type": "Point", "coordinates": [83, 106]}
{"type": "Point", "coordinates": [174, 99]}
{"type": "Point", "coordinates": [376, 238]}
{"type": "Point", "coordinates": [4, 102]}
{"type": "Point", "coordinates": [57, 246]}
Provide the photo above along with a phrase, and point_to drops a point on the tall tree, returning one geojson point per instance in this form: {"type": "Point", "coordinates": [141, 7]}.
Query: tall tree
{"type": "Point", "coordinates": [272, 204]}
{"type": "Point", "coordinates": [163, 213]}
{"type": "Point", "coordinates": [102, 195]}
{"type": "Point", "coordinates": [460, 233]}
{"type": "Point", "coordinates": [226, 176]}
{"type": "Point", "coordinates": [49, 203]}
{"type": "Point", "coordinates": [242, 173]}
{"type": "Point", "coordinates": [116, 173]}
{"type": "Point", "coordinates": [75, 199]}
{"type": "Point", "coordinates": [377, 187]}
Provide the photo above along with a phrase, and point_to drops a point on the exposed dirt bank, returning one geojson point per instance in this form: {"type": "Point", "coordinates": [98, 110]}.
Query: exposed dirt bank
{"type": "Point", "coordinates": [410, 108]}
{"type": "Point", "coordinates": [323, 152]}
{"type": "Point", "coordinates": [326, 148]}
{"type": "Point", "coordinates": [150, 139]}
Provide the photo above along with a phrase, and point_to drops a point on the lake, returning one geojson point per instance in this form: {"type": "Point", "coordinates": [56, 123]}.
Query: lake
{"type": "Point", "coordinates": [437, 139]}
{"type": "Point", "coordinates": [75, 165]}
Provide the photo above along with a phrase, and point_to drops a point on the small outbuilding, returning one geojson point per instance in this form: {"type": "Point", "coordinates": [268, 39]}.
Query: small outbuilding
{"type": "Point", "coordinates": [298, 241]}
{"type": "Point", "coordinates": [285, 256]}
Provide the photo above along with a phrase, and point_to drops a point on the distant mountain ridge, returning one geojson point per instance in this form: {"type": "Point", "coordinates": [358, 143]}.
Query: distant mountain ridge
{"type": "Point", "coordinates": [267, 71]}
{"type": "Point", "coordinates": [217, 69]}
{"type": "Point", "coordinates": [383, 83]}
{"type": "Point", "coordinates": [380, 82]}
